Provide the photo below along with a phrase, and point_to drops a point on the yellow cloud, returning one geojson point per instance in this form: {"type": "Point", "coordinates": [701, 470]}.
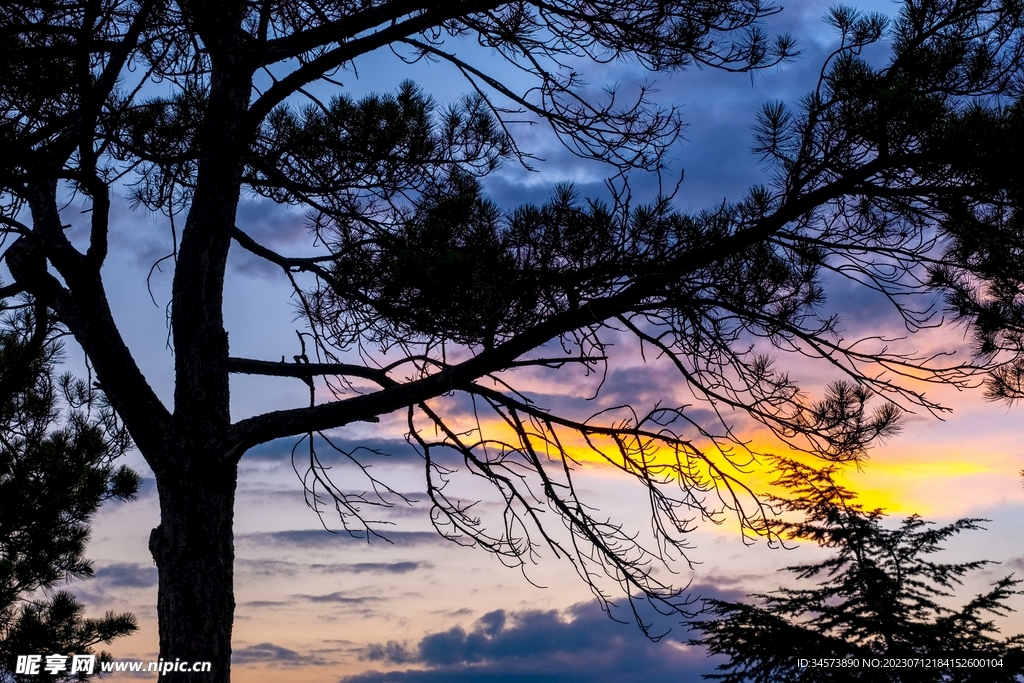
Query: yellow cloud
{"type": "Point", "coordinates": [936, 469]}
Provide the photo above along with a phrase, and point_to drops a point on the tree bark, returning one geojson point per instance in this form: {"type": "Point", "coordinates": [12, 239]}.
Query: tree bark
{"type": "Point", "coordinates": [194, 545]}
{"type": "Point", "coordinates": [194, 552]}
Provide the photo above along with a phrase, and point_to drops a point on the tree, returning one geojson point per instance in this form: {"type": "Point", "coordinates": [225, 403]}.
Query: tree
{"type": "Point", "coordinates": [56, 468]}
{"type": "Point", "coordinates": [876, 598]}
{"type": "Point", "coordinates": [995, 309]}
{"type": "Point", "coordinates": [873, 180]}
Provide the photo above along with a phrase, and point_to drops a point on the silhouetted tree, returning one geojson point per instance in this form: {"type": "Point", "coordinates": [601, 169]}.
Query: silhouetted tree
{"type": "Point", "coordinates": [57, 465]}
{"type": "Point", "coordinates": [992, 242]}
{"type": "Point", "coordinates": [873, 180]}
{"type": "Point", "coordinates": [879, 597]}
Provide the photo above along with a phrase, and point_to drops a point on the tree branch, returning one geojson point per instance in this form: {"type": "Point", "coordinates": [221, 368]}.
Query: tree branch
{"type": "Point", "coordinates": [314, 69]}
{"type": "Point", "coordinates": [341, 30]}
{"type": "Point", "coordinates": [277, 424]}
{"type": "Point", "coordinates": [249, 366]}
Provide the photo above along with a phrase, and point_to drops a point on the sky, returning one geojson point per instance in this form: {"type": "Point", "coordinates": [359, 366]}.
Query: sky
{"type": "Point", "coordinates": [315, 605]}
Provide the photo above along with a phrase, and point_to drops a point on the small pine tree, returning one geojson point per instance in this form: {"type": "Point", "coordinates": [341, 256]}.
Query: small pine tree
{"type": "Point", "coordinates": [58, 445]}
{"type": "Point", "coordinates": [877, 597]}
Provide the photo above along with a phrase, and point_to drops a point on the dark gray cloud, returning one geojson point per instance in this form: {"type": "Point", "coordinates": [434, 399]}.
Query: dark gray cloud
{"type": "Point", "coordinates": [266, 652]}
{"type": "Point", "coordinates": [312, 538]}
{"type": "Point", "coordinates": [270, 222]}
{"type": "Point", "coordinates": [124, 575]}
{"type": "Point", "coordinates": [372, 567]}
{"type": "Point", "coordinates": [267, 603]}
{"type": "Point", "coordinates": [341, 598]}
{"type": "Point", "coordinates": [106, 589]}
{"type": "Point", "coordinates": [265, 567]}
{"type": "Point", "coordinates": [511, 191]}
{"type": "Point", "coordinates": [366, 450]}
{"type": "Point", "coordinates": [582, 645]}
{"type": "Point", "coordinates": [147, 485]}
{"type": "Point", "coordinates": [863, 311]}
{"type": "Point", "coordinates": [706, 591]}
{"type": "Point", "coordinates": [277, 656]}
{"type": "Point", "coordinates": [273, 225]}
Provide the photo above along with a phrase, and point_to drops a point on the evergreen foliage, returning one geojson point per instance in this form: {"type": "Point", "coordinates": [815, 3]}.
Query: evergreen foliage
{"type": "Point", "coordinates": [880, 596]}
{"type": "Point", "coordinates": [59, 444]}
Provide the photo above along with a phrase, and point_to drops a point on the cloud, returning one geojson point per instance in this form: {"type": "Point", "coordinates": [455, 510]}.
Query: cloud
{"type": "Point", "coordinates": [580, 645]}
{"type": "Point", "coordinates": [109, 582]}
{"type": "Point", "coordinates": [125, 575]}
{"type": "Point", "coordinates": [382, 450]}
{"type": "Point", "coordinates": [147, 485]}
{"type": "Point", "coordinates": [340, 597]}
{"type": "Point", "coordinates": [266, 652]}
{"type": "Point", "coordinates": [707, 591]}
{"type": "Point", "coordinates": [274, 225]}
{"type": "Point", "coordinates": [266, 567]}
{"type": "Point", "coordinates": [270, 604]}
{"type": "Point", "coordinates": [273, 656]}
{"type": "Point", "coordinates": [515, 188]}
{"type": "Point", "coordinates": [392, 652]}
{"type": "Point", "coordinates": [1015, 562]}
{"type": "Point", "coordinates": [372, 567]}
{"type": "Point", "coordinates": [312, 538]}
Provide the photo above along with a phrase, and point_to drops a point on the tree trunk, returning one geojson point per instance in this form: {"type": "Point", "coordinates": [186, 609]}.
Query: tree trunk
{"type": "Point", "coordinates": [194, 544]}
{"type": "Point", "coordinates": [194, 552]}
